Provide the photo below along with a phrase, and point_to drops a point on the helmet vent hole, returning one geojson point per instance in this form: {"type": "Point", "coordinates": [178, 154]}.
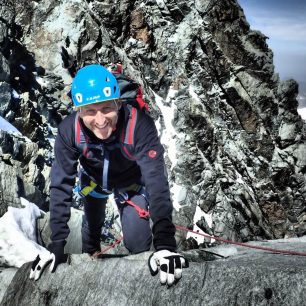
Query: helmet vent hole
{"type": "Point", "coordinates": [115, 88]}
{"type": "Point", "coordinates": [107, 79]}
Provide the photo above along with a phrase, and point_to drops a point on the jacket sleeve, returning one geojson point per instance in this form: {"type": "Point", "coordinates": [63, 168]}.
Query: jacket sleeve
{"type": "Point", "coordinates": [149, 156]}
{"type": "Point", "coordinates": [63, 173]}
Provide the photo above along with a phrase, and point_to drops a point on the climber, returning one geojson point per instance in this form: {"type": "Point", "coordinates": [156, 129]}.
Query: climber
{"type": "Point", "coordinates": [119, 153]}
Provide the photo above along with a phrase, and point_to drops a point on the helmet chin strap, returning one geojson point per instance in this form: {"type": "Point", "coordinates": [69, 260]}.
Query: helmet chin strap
{"type": "Point", "coordinates": [118, 104]}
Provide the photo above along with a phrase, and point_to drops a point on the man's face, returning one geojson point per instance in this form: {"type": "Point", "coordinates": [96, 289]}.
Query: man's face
{"type": "Point", "coordinates": [101, 118]}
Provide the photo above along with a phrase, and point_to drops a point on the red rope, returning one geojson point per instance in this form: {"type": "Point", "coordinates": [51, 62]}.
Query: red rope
{"type": "Point", "coordinates": [144, 214]}
{"type": "Point", "coordinates": [110, 247]}
{"type": "Point", "coordinates": [141, 212]}
{"type": "Point", "coordinates": [244, 244]}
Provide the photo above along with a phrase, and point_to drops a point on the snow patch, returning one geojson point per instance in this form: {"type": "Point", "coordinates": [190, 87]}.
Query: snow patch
{"type": "Point", "coordinates": [52, 134]}
{"type": "Point", "coordinates": [18, 235]}
{"type": "Point", "coordinates": [63, 20]}
{"type": "Point", "coordinates": [179, 194]}
{"type": "Point", "coordinates": [15, 94]}
{"type": "Point", "coordinates": [302, 112]}
{"type": "Point", "coordinates": [169, 135]}
{"type": "Point", "coordinates": [160, 3]}
{"type": "Point", "coordinates": [225, 251]}
{"type": "Point", "coordinates": [194, 95]}
{"type": "Point", "coordinates": [61, 23]}
{"type": "Point", "coordinates": [158, 126]}
{"type": "Point", "coordinates": [6, 126]}
{"type": "Point", "coordinates": [41, 82]}
{"type": "Point", "coordinates": [185, 30]}
{"type": "Point", "coordinates": [197, 216]}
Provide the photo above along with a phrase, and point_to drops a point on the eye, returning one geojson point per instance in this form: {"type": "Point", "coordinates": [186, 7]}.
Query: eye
{"type": "Point", "coordinates": [90, 112]}
{"type": "Point", "coordinates": [107, 109]}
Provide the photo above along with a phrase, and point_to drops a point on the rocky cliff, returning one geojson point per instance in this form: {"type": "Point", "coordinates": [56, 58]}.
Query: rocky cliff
{"type": "Point", "coordinates": [235, 143]}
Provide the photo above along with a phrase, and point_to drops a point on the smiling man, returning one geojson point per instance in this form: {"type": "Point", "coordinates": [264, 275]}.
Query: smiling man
{"type": "Point", "coordinates": [101, 118]}
{"type": "Point", "coordinates": [119, 152]}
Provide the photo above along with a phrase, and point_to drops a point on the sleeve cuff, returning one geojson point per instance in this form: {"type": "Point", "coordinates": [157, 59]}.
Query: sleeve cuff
{"type": "Point", "coordinates": [163, 235]}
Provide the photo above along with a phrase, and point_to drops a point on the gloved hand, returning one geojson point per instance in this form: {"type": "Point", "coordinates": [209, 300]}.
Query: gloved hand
{"type": "Point", "coordinates": [170, 265]}
{"type": "Point", "coordinates": [55, 256]}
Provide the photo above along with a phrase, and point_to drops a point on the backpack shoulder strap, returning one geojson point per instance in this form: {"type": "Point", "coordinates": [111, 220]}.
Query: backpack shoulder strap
{"type": "Point", "coordinates": [131, 124]}
{"type": "Point", "coordinates": [143, 105]}
{"type": "Point", "coordinates": [79, 137]}
{"type": "Point", "coordinates": [127, 134]}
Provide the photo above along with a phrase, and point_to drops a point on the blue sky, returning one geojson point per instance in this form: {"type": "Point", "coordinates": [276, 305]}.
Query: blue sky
{"type": "Point", "coordinates": [284, 22]}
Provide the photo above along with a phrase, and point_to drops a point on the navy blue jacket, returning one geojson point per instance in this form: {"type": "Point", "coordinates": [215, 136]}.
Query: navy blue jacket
{"type": "Point", "coordinates": [122, 173]}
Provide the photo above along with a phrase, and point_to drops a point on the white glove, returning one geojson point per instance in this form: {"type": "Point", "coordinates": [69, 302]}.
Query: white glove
{"type": "Point", "coordinates": [40, 263]}
{"type": "Point", "coordinates": [55, 254]}
{"type": "Point", "coordinates": [170, 265]}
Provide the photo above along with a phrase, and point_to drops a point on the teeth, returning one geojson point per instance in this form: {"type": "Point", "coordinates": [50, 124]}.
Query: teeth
{"type": "Point", "coordinates": [101, 127]}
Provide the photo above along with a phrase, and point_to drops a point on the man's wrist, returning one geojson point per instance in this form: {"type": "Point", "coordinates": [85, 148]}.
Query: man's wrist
{"type": "Point", "coordinates": [165, 247]}
{"type": "Point", "coordinates": [163, 235]}
{"type": "Point", "coordinates": [57, 247]}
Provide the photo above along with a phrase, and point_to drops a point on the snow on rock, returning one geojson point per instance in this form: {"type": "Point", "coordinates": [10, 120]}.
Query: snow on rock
{"type": "Point", "coordinates": [197, 216]}
{"type": "Point", "coordinates": [6, 126]}
{"type": "Point", "coordinates": [302, 112]}
{"type": "Point", "coordinates": [61, 23]}
{"type": "Point", "coordinates": [179, 195]}
{"type": "Point", "coordinates": [18, 235]}
{"type": "Point", "coordinates": [42, 82]}
{"type": "Point", "coordinates": [15, 94]}
{"type": "Point", "coordinates": [169, 135]}
{"type": "Point", "coordinates": [169, 138]}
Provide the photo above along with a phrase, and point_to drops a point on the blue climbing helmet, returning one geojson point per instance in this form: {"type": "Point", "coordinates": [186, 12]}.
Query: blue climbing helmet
{"type": "Point", "coordinates": [92, 84]}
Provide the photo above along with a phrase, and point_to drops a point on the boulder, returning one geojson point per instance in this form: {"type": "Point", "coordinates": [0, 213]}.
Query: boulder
{"type": "Point", "coordinates": [235, 144]}
{"type": "Point", "coordinates": [6, 276]}
{"type": "Point", "coordinates": [243, 277]}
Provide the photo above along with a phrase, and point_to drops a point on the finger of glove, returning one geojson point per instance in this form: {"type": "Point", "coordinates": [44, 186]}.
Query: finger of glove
{"type": "Point", "coordinates": [39, 268]}
{"type": "Point", "coordinates": [153, 264]}
{"type": "Point", "coordinates": [163, 273]}
{"type": "Point", "coordinates": [58, 260]}
{"type": "Point", "coordinates": [33, 268]}
{"type": "Point", "coordinates": [171, 269]}
{"type": "Point", "coordinates": [167, 271]}
{"type": "Point", "coordinates": [178, 267]}
{"type": "Point", "coordinates": [185, 262]}
{"type": "Point", "coordinates": [54, 264]}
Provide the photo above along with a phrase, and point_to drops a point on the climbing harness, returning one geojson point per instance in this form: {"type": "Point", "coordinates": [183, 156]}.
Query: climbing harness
{"type": "Point", "coordinates": [89, 189]}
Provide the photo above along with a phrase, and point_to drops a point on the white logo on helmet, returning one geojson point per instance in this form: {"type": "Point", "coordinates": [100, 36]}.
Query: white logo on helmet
{"type": "Point", "coordinates": [79, 97]}
{"type": "Point", "coordinates": [107, 91]}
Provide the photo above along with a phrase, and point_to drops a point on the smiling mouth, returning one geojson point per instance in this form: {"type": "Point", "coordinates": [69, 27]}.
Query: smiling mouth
{"type": "Point", "coordinates": [101, 127]}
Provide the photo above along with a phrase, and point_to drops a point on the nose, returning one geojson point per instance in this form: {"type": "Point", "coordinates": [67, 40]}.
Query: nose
{"type": "Point", "coordinates": [100, 118]}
